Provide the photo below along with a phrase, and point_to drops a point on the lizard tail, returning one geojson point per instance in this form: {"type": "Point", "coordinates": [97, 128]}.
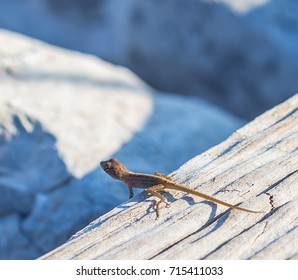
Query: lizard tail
{"type": "Point", "coordinates": [210, 198]}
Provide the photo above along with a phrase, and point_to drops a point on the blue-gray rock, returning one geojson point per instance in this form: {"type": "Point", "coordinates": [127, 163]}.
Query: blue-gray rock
{"type": "Point", "coordinates": [14, 244]}
{"type": "Point", "coordinates": [240, 55]}
{"type": "Point", "coordinates": [29, 162]}
{"type": "Point", "coordinates": [15, 197]}
{"type": "Point", "coordinates": [59, 214]}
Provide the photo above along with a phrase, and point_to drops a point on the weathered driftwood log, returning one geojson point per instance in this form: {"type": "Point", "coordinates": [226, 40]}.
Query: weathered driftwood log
{"type": "Point", "coordinates": [257, 166]}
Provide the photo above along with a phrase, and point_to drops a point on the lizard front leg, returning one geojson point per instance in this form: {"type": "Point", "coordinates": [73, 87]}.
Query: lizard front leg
{"type": "Point", "coordinates": [154, 191]}
{"type": "Point", "coordinates": [130, 192]}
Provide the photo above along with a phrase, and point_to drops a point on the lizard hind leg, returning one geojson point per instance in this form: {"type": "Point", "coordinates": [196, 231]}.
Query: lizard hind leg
{"type": "Point", "coordinates": [163, 176]}
{"type": "Point", "coordinates": [154, 191]}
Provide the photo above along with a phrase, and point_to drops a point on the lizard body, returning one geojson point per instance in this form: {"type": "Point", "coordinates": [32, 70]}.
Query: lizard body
{"type": "Point", "coordinates": [154, 183]}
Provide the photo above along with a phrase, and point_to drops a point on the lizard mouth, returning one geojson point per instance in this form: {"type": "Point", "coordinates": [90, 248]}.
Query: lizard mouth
{"type": "Point", "coordinates": [104, 164]}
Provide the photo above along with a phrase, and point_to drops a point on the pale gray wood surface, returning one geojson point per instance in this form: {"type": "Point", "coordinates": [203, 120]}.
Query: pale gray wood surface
{"type": "Point", "coordinates": [257, 166]}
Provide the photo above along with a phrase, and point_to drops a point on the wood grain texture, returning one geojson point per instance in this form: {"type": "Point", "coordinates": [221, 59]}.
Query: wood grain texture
{"type": "Point", "coordinates": [256, 167]}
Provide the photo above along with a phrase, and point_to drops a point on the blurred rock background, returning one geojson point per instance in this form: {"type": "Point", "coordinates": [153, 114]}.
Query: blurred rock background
{"type": "Point", "coordinates": [209, 66]}
{"type": "Point", "coordinates": [239, 54]}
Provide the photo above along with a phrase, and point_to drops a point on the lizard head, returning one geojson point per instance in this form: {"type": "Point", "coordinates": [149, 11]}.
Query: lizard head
{"type": "Point", "coordinates": [114, 168]}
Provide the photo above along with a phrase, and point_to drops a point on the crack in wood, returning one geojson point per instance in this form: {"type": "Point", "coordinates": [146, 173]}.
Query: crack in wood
{"type": "Point", "coordinates": [241, 194]}
{"type": "Point", "coordinates": [270, 200]}
{"type": "Point", "coordinates": [263, 230]}
{"type": "Point", "coordinates": [284, 118]}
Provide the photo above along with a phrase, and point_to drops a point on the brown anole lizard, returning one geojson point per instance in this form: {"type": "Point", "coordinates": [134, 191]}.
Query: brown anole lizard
{"type": "Point", "coordinates": [154, 183]}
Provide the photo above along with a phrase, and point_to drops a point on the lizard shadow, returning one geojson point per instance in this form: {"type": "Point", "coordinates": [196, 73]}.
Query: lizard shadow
{"type": "Point", "coordinates": [152, 207]}
{"type": "Point", "coordinates": [219, 221]}
{"type": "Point", "coordinates": [189, 200]}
